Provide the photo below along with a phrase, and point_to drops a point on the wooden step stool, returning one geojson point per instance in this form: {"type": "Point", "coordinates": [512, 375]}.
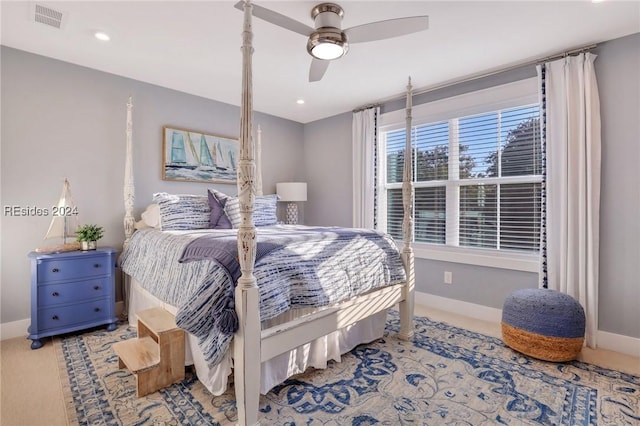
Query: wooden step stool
{"type": "Point", "coordinates": [156, 357]}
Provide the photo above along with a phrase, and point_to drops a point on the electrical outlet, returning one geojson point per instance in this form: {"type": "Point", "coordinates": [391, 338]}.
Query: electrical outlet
{"type": "Point", "coordinates": [448, 277]}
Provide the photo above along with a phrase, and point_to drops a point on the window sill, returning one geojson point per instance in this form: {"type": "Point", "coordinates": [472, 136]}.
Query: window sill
{"type": "Point", "coordinates": [490, 258]}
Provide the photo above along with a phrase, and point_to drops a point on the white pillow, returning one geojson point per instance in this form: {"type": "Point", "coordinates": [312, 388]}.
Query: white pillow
{"type": "Point", "coordinates": [151, 216]}
{"type": "Point", "coordinates": [141, 225]}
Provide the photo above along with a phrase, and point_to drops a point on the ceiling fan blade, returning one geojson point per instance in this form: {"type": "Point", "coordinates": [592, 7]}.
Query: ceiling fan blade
{"type": "Point", "coordinates": [278, 19]}
{"type": "Point", "coordinates": [387, 29]}
{"type": "Point", "coordinates": [317, 69]}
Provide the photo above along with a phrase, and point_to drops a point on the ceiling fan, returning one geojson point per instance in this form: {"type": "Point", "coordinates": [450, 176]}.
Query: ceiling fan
{"type": "Point", "coordinates": [327, 41]}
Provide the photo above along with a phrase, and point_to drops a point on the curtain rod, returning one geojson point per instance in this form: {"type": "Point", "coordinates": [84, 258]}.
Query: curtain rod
{"type": "Point", "coordinates": [479, 76]}
{"type": "Point", "coordinates": [362, 108]}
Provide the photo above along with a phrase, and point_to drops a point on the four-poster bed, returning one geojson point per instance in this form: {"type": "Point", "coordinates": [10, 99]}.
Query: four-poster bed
{"type": "Point", "coordinates": [259, 344]}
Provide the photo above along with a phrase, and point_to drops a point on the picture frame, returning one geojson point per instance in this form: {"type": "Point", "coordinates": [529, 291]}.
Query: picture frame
{"type": "Point", "coordinates": [193, 156]}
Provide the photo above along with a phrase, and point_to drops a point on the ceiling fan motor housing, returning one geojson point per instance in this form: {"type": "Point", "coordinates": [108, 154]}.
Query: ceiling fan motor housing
{"type": "Point", "coordinates": [327, 15]}
{"type": "Point", "coordinates": [328, 20]}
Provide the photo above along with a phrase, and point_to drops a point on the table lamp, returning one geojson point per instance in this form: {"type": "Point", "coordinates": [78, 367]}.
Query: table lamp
{"type": "Point", "coordinates": [292, 192]}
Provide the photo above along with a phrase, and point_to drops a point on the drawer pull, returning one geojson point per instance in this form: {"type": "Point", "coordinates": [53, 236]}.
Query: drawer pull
{"type": "Point", "coordinates": [55, 317]}
{"type": "Point", "coordinates": [55, 270]}
{"type": "Point", "coordinates": [96, 309]}
{"type": "Point", "coordinates": [96, 265]}
{"type": "Point", "coordinates": [55, 294]}
{"type": "Point", "coordinates": [96, 287]}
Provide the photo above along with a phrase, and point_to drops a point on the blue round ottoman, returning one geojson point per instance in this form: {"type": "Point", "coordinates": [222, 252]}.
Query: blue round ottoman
{"type": "Point", "coordinates": [544, 324]}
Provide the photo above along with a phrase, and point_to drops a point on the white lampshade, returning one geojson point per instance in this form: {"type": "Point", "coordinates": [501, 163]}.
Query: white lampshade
{"type": "Point", "coordinates": [292, 191]}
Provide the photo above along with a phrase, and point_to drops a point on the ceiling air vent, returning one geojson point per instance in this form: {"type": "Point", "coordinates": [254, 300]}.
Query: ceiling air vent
{"type": "Point", "coordinates": [48, 16]}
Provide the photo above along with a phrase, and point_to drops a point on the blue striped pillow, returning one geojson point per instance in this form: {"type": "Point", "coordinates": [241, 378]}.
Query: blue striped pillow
{"type": "Point", "coordinates": [264, 210]}
{"type": "Point", "coordinates": [182, 211]}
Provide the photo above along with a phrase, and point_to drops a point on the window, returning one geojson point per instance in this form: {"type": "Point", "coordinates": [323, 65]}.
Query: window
{"type": "Point", "coordinates": [477, 177]}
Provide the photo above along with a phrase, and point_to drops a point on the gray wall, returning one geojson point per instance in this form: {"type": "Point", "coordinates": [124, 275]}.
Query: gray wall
{"type": "Point", "coordinates": [61, 120]}
{"type": "Point", "coordinates": [327, 159]}
{"type": "Point", "coordinates": [618, 74]}
{"type": "Point", "coordinates": [617, 68]}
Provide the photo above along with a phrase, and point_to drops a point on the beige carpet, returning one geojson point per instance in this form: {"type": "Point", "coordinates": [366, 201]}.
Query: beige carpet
{"type": "Point", "coordinates": [30, 385]}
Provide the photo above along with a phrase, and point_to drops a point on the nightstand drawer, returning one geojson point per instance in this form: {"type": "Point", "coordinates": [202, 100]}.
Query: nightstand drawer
{"type": "Point", "coordinates": [63, 316]}
{"type": "Point", "coordinates": [56, 294]}
{"type": "Point", "coordinates": [58, 270]}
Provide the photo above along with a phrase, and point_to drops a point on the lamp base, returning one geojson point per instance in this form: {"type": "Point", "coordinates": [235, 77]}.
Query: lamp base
{"type": "Point", "coordinates": [292, 214]}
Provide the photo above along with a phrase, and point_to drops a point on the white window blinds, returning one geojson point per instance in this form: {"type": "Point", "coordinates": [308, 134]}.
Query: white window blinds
{"type": "Point", "coordinates": [477, 180]}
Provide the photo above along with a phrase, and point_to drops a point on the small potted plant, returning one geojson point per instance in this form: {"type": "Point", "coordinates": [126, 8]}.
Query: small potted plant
{"type": "Point", "coordinates": [88, 235]}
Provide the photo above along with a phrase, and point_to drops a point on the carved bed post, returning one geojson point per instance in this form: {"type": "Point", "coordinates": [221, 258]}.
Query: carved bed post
{"type": "Point", "coordinates": [129, 189]}
{"type": "Point", "coordinates": [406, 306]}
{"type": "Point", "coordinates": [247, 338]}
{"type": "Point", "coordinates": [129, 198]}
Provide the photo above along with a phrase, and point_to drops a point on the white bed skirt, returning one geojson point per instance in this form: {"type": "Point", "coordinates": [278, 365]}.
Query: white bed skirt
{"type": "Point", "coordinates": [315, 354]}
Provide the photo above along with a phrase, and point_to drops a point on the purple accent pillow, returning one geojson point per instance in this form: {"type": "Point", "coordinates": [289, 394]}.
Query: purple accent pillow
{"type": "Point", "coordinates": [218, 218]}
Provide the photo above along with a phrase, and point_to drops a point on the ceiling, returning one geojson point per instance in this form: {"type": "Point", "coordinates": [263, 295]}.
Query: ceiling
{"type": "Point", "coordinates": [194, 47]}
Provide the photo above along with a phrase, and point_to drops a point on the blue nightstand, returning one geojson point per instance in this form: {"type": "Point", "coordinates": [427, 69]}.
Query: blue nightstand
{"type": "Point", "coordinates": [71, 291]}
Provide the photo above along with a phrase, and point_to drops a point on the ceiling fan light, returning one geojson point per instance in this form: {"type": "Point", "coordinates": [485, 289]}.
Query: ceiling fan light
{"type": "Point", "coordinates": [327, 44]}
{"type": "Point", "coordinates": [327, 51]}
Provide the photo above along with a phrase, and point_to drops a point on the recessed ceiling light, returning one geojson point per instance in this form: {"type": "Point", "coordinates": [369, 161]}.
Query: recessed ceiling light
{"type": "Point", "coordinates": [300, 101]}
{"type": "Point", "coordinates": [102, 36]}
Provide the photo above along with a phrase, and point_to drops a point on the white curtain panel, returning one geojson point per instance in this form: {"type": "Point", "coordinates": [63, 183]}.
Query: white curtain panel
{"type": "Point", "coordinates": [364, 134]}
{"type": "Point", "coordinates": [573, 182]}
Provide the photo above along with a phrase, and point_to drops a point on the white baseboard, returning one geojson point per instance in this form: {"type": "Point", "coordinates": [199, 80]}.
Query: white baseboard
{"type": "Point", "coordinates": [613, 342]}
{"type": "Point", "coordinates": [618, 343]}
{"type": "Point", "coordinates": [472, 310]}
{"type": "Point", "coordinates": [9, 330]}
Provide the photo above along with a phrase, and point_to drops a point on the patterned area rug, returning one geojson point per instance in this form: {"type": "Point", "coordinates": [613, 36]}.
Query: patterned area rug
{"type": "Point", "coordinates": [447, 375]}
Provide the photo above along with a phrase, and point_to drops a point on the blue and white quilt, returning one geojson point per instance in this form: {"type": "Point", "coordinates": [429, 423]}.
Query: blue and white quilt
{"type": "Point", "coordinates": [296, 267]}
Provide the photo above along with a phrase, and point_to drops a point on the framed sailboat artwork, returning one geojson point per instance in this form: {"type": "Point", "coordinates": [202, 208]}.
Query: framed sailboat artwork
{"type": "Point", "coordinates": [191, 156]}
